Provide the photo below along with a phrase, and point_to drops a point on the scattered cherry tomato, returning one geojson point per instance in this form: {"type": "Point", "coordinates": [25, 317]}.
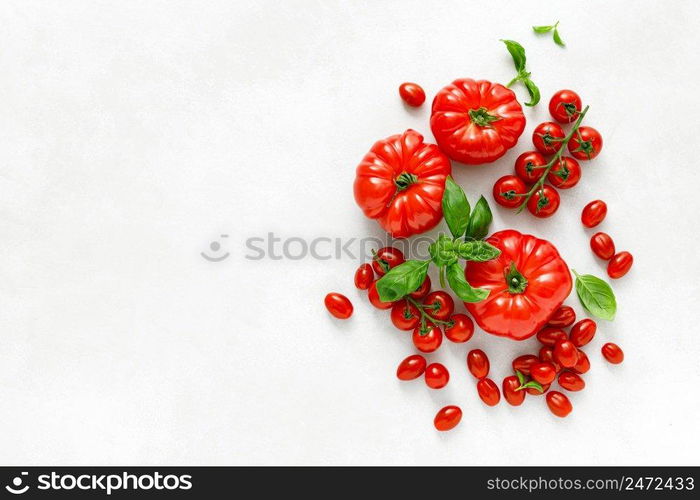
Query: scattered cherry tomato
{"type": "Point", "coordinates": [564, 316]}
{"type": "Point", "coordinates": [594, 213]}
{"type": "Point", "coordinates": [428, 342]}
{"type": "Point", "coordinates": [510, 393]}
{"type": "Point", "coordinates": [565, 173]}
{"type": "Point", "coordinates": [620, 264]}
{"type": "Point", "coordinates": [373, 297]}
{"type": "Point", "coordinates": [387, 258]}
{"type": "Point", "coordinates": [585, 144]}
{"type": "Point", "coordinates": [544, 202]}
{"type": "Point", "coordinates": [462, 328]}
{"type": "Point", "coordinates": [582, 364]}
{"type": "Point", "coordinates": [536, 392]}
{"type": "Point", "coordinates": [571, 381]}
{"type": "Point", "coordinates": [488, 391]}
{"type": "Point", "coordinates": [565, 106]}
{"type": "Point", "coordinates": [547, 355]}
{"type": "Point", "coordinates": [550, 335]}
{"type": "Point", "coordinates": [423, 290]}
{"type": "Point", "coordinates": [405, 315]}
{"type": "Point", "coordinates": [548, 137]}
{"type": "Point", "coordinates": [338, 305]}
{"type": "Point", "coordinates": [448, 418]}
{"type": "Point", "coordinates": [612, 353]}
{"type": "Point", "coordinates": [439, 305]}
{"type": "Point", "coordinates": [412, 94]}
{"type": "Point", "coordinates": [565, 353]}
{"type": "Point", "coordinates": [602, 245]}
{"type": "Point", "coordinates": [436, 376]}
{"type": "Point", "coordinates": [411, 368]}
{"type": "Point", "coordinates": [523, 363]}
{"type": "Point", "coordinates": [583, 332]}
{"type": "Point", "coordinates": [543, 372]}
{"type": "Point", "coordinates": [526, 166]}
{"type": "Point", "coordinates": [364, 276]}
{"type": "Point", "coordinates": [559, 404]}
{"type": "Point", "coordinates": [508, 191]}
{"type": "Point", "coordinates": [478, 363]}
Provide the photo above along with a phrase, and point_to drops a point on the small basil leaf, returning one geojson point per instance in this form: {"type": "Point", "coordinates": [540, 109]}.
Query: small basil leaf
{"type": "Point", "coordinates": [531, 385]}
{"type": "Point", "coordinates": [518, 53]}
{"type": "Point", "coordinates": [542, 29]}
{"type": "Point", "coordinates": [477, 251]}
{"type": "Point", "coordinates": [402, 280]}
{"type": "Point", "coordinates": [557, 38]}
{"type": "Point", "coordinates": [596, 296]}
{"type": "Point", "coordinates": [534, 92]}
{"type": "Point", "coordinates": [455, 207]}
{"type": "Point", "coordinates": [521, 377]}
{"type": "Point", "coordinates": [480, 220]}
{"type": "Point", "coordinates": [460, 286]}
{"type": "Point", "coordinates": [443, 251]}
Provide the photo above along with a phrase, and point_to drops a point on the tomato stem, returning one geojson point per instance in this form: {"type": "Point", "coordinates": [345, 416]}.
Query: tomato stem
{"type": "Point", "coordinates": [423, 314]}
{"type": "Point", "coordinates": [404, 180]}
{"type": "Point", "coordinates": [482, 117]}
{"type": "Point", "coordinates": [517, 283]}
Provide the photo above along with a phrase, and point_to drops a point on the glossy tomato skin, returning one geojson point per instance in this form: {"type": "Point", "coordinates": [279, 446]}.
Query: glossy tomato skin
{"type": "Point", "coordinates": [548, 138]}
{"type": "Point", "coordinates": [565, 106]}
{"type": "Point", "coordinates": [559, 404]}
{"type": "Point", "coordinates": [400, 183]}
{"type": "Point", "coordinates": [374, 299]}
{"type": "Point", "coordinates": [583, 364]}
{"type": "Point", "coordinates": [488, 391]}
{"type": "Point", "coordinates": [439, 304]}
{"type": "Point", "coordinates": [620, 264]}
{"type": "Point", "coordinates": [412, 94]}
{"type": "Point", "coordinates": [404, 315]}
{"type": "Point", "coordinates": [565, 173]}
{"type": "Point", "coordinates": [461, 330]}
{"type": "Point", "coordinates": [602, 245]}
{"type": "Point", "coordinates": [423, 290]}
{"type": "Point", "coordinates": [448, 418]}
{"type": "Point", "coordinates": [565, 353]}
{"type": "Point", "coordinates": [428, 342]}
{"type": "Point", "coordinates": [387, 258]}
{"type": "Point", "coordinates": [534, 392]}
{"type": "Point", "coordinates": [571, 381]}
{"type": "Point", "coordinates": [543, 372]}
{"type": "Point", "coordinates": [544, 202]}
{"type": "Point", "coordinates": [364, 276]}
{"type": "Point", "coordinates": [594, 213]}
{"type": "Point", "coordinates": [436, 376]}
{"type": "Point", "coordinates": [338, 305]}
{"type": "Point", "coordinates": [612, 353]}
{"type": "Point", "coordinates": [585, 145]}
{"type": "Point", "coordinates": [583, 332]}
{"type": "Point", "coordinates": [547, 356]}
{"type": "Point", "coordinates": [508, 191]}
{"type": "Point", "coordinates": [511, 393]}
{"type": "Point", "coordinates": [564, 316]}
{"type": "Point", "coordinates": [478, 363]}
{"type": "Point", "coordinates": [526, 166]}
{"type": "Point", "coordinates": [518, 312]}
{"type": "Point", "coordinates": [411, 368]}
{"type": "Point", "coordinates": [549, 335]}
{"type": "Point", "coordinates": [475, 121]}
{"type": "Point", "coordinates": [523, 363]}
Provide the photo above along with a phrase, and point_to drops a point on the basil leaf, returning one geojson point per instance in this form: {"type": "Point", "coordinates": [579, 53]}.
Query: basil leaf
{"type": "Point", "coordinates": [596, 296]}
{"type": "Point", "coordinates": [533, 90]}
{"type": "Point", "coordinates": [531, 384]}
{"type": "Point", "coordinates": [402, 280]}
{"type": "Point", "coordinates": [477, 251]}
{"type": "Point", "coordinates": [480, 220]}
{"type": "Point", "coordinates": [455, 207]}
{"type": "Point", "coordinates": [557, 38]}
{"type": "Point", "coordinates": [518, 53]}
{"type": "Point", "coordinates": [542, 29]}
{"type": "Point", "coordinates": [521, 377]}
{"type": "Point", "coordinates": [443, 251]}
{"type": "Point", "coordinates": [460, 286]}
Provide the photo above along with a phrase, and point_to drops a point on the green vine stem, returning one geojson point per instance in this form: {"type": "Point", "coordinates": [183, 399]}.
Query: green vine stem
{"type": "Point", "coordinates": [424, 315]}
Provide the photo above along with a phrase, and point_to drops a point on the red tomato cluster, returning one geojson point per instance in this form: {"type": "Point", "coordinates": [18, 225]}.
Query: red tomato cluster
{"type": "Point", "coordinates": [602, 244]}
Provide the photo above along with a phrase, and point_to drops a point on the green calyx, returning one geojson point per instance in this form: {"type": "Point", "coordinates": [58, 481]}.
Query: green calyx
{"type": "Point", "coordinates": [517, 283]}
{"type": "Point", "coordinates": [404, 180]}
{"type": "Point", "coordinates": [482, 117]}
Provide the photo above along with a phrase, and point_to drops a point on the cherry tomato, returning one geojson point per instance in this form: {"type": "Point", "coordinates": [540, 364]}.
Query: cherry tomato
{"type": "Point", "coordinates": [548, 137]}
{"type": "Point", "coordinates": [550, 335]}
{"type": "Point", "coordinates": [612, 353]}
{"type": "Point", "coordinates": [547, 355]}
{"type": "Point", "coordinates": [603, 246]}
{"type": "Point", "coordinates": [439, 305]}
{"type": "Point", "coordinates": [478, 363]}
{"type": "Point", "coordinates": [571, 381]}
{"type": "Point", "coordinates": [535, 392]}
{"type": "Point", "coordinates": [423, 290]}
{"type": "Point", "coordinates": [620, 264]}
{"type": "Point", "coordinates": [583, 364]}
{"type": "Point", "coordinates": [428, 342]}
{"type": "Point", "coordinates": [564, 316]}
{"type": "Point", "coordinates": [585, 144]}
{"type": "Point", "coordinates": [565, 106]}
{"type": "Point", "coordinates": [508, 191]}
{"type": "Point", "coordinates": [364, 276]}
{"type": "Point", "coordinates": [412, 94]}
{"type": "Point", "coordinates": [338, 305]}
{"type": "Point", "coordinates": [565, 353]}
{"type": "Point", "coordinates": [411, 368]}
{"type": "Point", "coordinates": [405, 315]}
{"type": "Point", "coordinates": [510, 392]}
{"type": "Point", "coordinates": [436, 376]}
{"type": "Point", "coordinates": [387, 258]}
{"type": "Point", "coordinates": [523, 363]}
{"type": "Point", "coordinates": [583, 332]}
{"type": "Point", "coordinates": [559, 404]}
{"type": "Point", "coordinates": [565, 173]}
{"type": "Point", "coordinates": [543, 372]}
{"type": "Point", "coordinates": [462, 328]}
{"type": "Point", "coordinates": [488, 391]}
{"type": "Point", "coordinates": [448, 418]}
{"type": "Point", "coordinates": [544, 202]}
{"type": "Point", "coordinates": [526, 166]}
{"type": "Point", "coordinates": [373, 297]}
{"type": "Point", "coordinates": [594, 213]}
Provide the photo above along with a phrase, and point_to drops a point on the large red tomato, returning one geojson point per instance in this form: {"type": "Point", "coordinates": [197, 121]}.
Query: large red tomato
{"type": "Point", "coordinates": [528, 283]}
{"type": "Point", "coordinates": [475, 121]}
{"type": "Point", "coordinates": [400, 183]}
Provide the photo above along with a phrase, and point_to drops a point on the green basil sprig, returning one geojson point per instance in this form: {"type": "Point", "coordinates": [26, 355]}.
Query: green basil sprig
{"type": "Point", "coordinates": [460, 285]}
{"type": "Point", "coordinates": [402, 280]}
{"type": "Point", "coordinates": [555, 32]}
{"type": "Point", "coordinates": [455, 207]}
{"type": "Point", "coordinates": [596, 296]}
{"type": "Point", "coordinates": [525, 384]}
{"type": "Point", "coordinates": [517, 52]}
{"type": "Point", "coordinates": [480, 220]}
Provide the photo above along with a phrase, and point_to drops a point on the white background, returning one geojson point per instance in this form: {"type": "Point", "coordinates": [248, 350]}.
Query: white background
{"type": "Point", "coordinates": [132, 134]}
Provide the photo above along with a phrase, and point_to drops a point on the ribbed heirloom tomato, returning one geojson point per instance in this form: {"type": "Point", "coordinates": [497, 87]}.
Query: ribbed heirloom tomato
{"type": "Point", "coordinates": [475, 121]}
{"type": "Point", "coordinates": [400, 183]}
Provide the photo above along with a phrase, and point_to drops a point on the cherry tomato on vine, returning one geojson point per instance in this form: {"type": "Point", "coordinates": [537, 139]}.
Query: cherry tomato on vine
{"type": "Point", "coordinates": [612, 353]}
{"type": "Point", "coordinates": [571, 381]}
{"type": "Point", "coordinates": [510, 393]}
{"type": "Point", "coordinates": [564, 316]}
{"type": "Point", "coordinates": [429, 341]}
{"type": "Point", "coordinates": [548, 137]}
{"type": "Point", "coordinates": [582, 364]}
{"type": "Point", "coordinates": [565, 353]}
{"type": "Point", "coordinates": [543, 372]}
{"type": "Point", "coordinates": [374, 299]}
{"type": "Point", "coordinates": [387, 258]}
{"type": "Point", "coordinates": [405, 315]}
{"type": "Point", "coordinates": [602, 246]}
{"type": "Point", "coordinates": [411, 368]}
{"type": "Point", "coordinates": [478, 363]}
{"type": "Point", "coordinates": [364, 276]}
{"type": "Point", "coordinates": [594, 213]}
{"type": "Point", "coordinates": [488, 391]}
{"type": "Point", "coordinates": [583, 332]}
{"type": "Point", "coordinates": [436, 376]}
{"type": "Point", "coordinates": [559, 404]}
{"type": "Point", "coordinates": [535, 392]}
{"type": "Point", "coordinates": [565, 106]}
{"type": "Point", "coordinates": [544, 202]}
{"type": "Point", "coordinates": [423, 290]}
{"type": "Point", "coordinates": [620, 264]}
{"type": "Point", "coordinates": [565, 173]}
{"type": "Point", "coordinates": [447, 418]}
{"type": "Point", "coordinates": [527, 166]}
{"type": "Point", "coordinates": [461, 330]}
{"type": "Point", "coordinates": [439, 305]}
{"type": "Point", "coordinates": [508, 191]}
{"type": "Point", "coordinates": [547, 356]}
{"type": "Point", "coordinates": [585, 144]}
{"type": "Point", "coordinates": [550, 335]}
{"type": "Point", "coordinates": [338, 305]}
{"type": "Point", "coordinates": [412, 94]}
{"type": "Point", "coordinates": [523, 363]}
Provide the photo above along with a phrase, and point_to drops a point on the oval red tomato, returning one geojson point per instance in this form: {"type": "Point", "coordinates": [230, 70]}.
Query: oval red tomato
{"type": "Point", "coordinates": [565, 353]}
{"type": "Point", "coordinates": [478, 363]}
{"type": "Point", "coordinates": [564, 316]}
{"type": "Point", "coordinates": [583, 332]}
{"type": "Point", "coordinates": [508, 191]}
{"type": "Point", "coordinates": [543, 372]}
{"type": "Point", "coordinates": [412, 94]}
{"type": "Point", "coordinates": [439, 305]}
{"type": "Point", "coordinates": [428, 341]}
{"type": "Point", "coordinates": [550, 335]}
{"type": "Point", "coordinates": [612, 353]}
{"type": "Point", "coordinates": [602, 246]}
{"type": "Point", "coordinates": [559, 404]}
{"type": "Point", "coordinates": [404, 315]}
{"type": "Point", "coordinates": [544, 202]}
{"type": "Point", "coordinates": [583, 364]}
{"type": "Point", "coordinates": [547, 355]}
{"type": "Point", "coordinates": [338, 305]}
{"type": "Point", "coordinates": [385, 259]}
{"type": "Point", "coordinates": [436, 376]}
{"type": "Point", "coordinates": [586, 144]}
{"type": "Point", "coordinates": [523, 363]}
{"type": "Point", "coordinates": [620, 264]}
{"type": "Point", "coordinates": [529, 166]}
{"type": "Point", "coordinates": [488, 391]}
{"type": "Point", "coordinates": [565, 173]}
{"type": "Point", "coordinates": [411, 368]}
{"type": "Point", "coordinates": [461, 328]}
{"type": "Point", "coordinates": [565, 106]}
{"type": "Point", "coordinates": [448, 418]}
{"type": "Point", "coordinates": [364, 276]}
{"type": "Point", "coordinates": [571, 381]}
{"type": "Point", "coordinates": [374, 299]}
{"type": "Point", "coordinates": [594, 213]}
{"type": "Point", "coordinates": [510, 391]}
{"type": "Point", "coordinates": [548, 137]}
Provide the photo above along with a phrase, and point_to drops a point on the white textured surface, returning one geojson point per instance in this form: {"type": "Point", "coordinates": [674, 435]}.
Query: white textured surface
{"type": "Point", "coordinates": [134, 133]}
